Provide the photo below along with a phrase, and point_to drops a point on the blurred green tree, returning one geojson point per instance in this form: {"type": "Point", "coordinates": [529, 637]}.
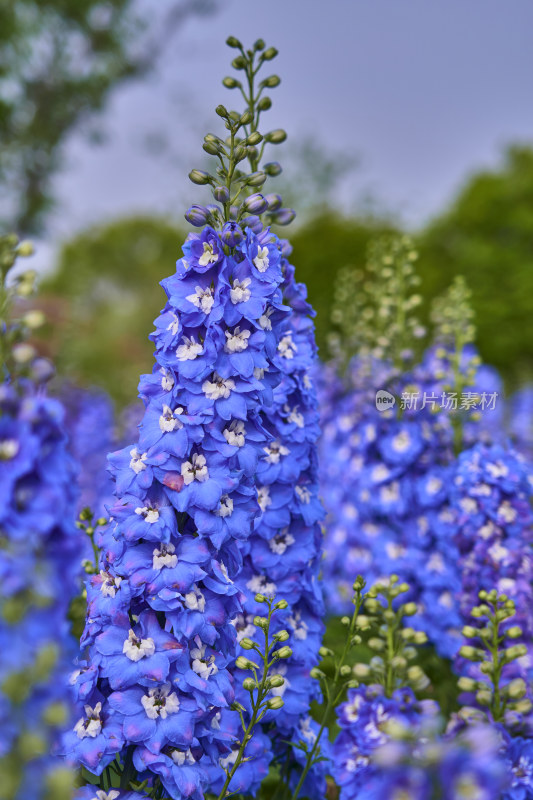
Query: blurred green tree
{"type": "Point", "coordinates": [59, 61]}
{"type": "Point", "coordinates": [487, 236]}
{"type": "Point", "coordinates": [102, 301]}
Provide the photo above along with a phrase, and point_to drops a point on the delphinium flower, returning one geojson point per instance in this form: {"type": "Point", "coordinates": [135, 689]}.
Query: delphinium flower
{"type": "Point", "coordinates": [39, 553]}
{"type": "Point", "coordinates": [491, 524]}
{"type": "Point", "coordinates": [181, 568]}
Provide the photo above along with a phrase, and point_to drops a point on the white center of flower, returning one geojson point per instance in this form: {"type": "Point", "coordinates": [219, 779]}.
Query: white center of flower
{"type": "Point", "coordinates": [164, 556]}
{"type": "Point", "coordinates": [225, 508]}
{"type": "Point", "coordinates": [181, 757]}
{"type": "Point", "coordinates": [433, 485]}
{"type": "Point", "coordinates": [394, 550]}
{"type": "Point", "coordinates": [293, 415]}
{"type": "Point", "coordinates": [167, 380]}
{"type": "Point", "coordinates": [260, 584]}
{"type": "Point", "coordinates": [149, 515]}
{"type": "Point", "coordinates": [208, 256]}
{"type": "Point", "coordinates": [261, 260]}
{"type": "Point", "coordinates": [281, 541]}
{"type": "Point", "coordinates": [263, 497]}
{"type": "Point", "coordinates": [299, 626]}
{"type": "Point", "coordinates": [391, 492]}
{"type": "Point", "coordinates": [351, 710]}
{"type": "Point", "coordinates": [237, 341]}
{"type": "Point", "coordinates": [135, 648]}
{"type": "Point", "coordinates": [160, 702]}
{"type": "Point", "coordinates": [401, 442]}
{"type": "Point", "coordinates": [469, 505]}
{"type": "Point", "coordinates": [90, 725]}
{"type": "Point", "coordinates": [189, 349]}
{"type": "Point", "coordinates": [235, 433]}
{"type": "Point", "coordinates": [204, 667]}
{"type": "Point", "coordinates": [110, 584]}
{"type": "Point", "coordinates": [303, 493]}
{"type": "Point", "coordinates": [274, 451]}
{"type": "Point", "coordinates": [194, 600]}
{"type": "Point", "coordinates": [259, 373]}
{"type": "Point", "coordinates": [202, 299]}
{"type": "Point", "coordinates": [264, 319]}
{"type": "Point", "coordinates": [195, 469]}
{"type": "Point", "coordinates": [8, 449]}
{"type": "Point", "coordinates": [497, 470]}
{"type": "Point", "coordinates": [137, 460]}
{"type": "Point", "coordinates": [240, 292]}
{"type": "Point", "coordinates": [286, 347]}
{"type": "Point", "coordinates": [174, 326]}
{"type": "Point", "coordinates": [436, 563]}
{"type": "Point", "coordinates": [170, 420]}
{"type": "Point", "coordinates": [218, 387]}
{"type": "Point", "coordinates": [507, 512]}
{"type": "Point", "coordinates": [102, 795]}
{"type": "Point", "coordinates": [306, 729]}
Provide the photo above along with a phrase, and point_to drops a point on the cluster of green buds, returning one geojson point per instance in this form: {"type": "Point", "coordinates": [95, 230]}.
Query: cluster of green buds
{"type": "Point", "coordinates": [492, 649]}
{"type": "Point", "coordinates": [374, 309]}
{"type": "Point", "coordinates": [453, 330]}
{"type": "Point", "coordinates": [240, 173]}
{"type": "Point", "coordinates": [262, 681]}
{"type": "Point", "coordinates": [395, 644]}
{"type": "Point", "coordinates": [19, 358]}
{"type": "Point", "coordinates": [86, 522]}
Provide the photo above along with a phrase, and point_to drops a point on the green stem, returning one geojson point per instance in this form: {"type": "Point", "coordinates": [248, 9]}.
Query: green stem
{"type": "Point", "coordinates": [258, 710]}
{"type": "Point", "coordinates": [333, 698]}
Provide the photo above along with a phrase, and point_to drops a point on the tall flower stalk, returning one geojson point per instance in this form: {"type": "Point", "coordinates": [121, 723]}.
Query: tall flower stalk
{"type": "Point", "coordinates": [183, 560]}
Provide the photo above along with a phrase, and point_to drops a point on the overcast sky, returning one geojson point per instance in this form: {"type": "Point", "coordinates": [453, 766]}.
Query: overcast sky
{"type": "Point", "coordinates": [423, 91]}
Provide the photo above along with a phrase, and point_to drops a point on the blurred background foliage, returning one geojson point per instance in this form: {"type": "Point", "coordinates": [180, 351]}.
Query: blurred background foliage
{"type": "Point", "coordinates": [59, 63]}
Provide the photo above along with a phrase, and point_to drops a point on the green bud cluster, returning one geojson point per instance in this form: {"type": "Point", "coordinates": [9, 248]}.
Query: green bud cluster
{"type": "Point", "coordinates": [491, 649]}
{"type": "Point", "coordinates": [17, 322]}
{"type": "Point", "coordinates": [374, 308]}
{"type": "Point", "coordinates": [396, 646]}
{"type": "Point", "coordinates": [239, 152]}
{"type": "Point", "coordinates": [263, 682]}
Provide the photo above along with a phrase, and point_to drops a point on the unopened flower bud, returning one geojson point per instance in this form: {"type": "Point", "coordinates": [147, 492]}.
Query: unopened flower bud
{"type": "Point", "coordinates": [23, 353]}
{"type": "Point", "coordinates": [253, 223]}
{"type": "Point", "coordinates": [261, 622]}
{"type": "Point", "coordinates": [271, 82]}
{"type": "Point", "coordinates": [222, 111]}
{"type": "Point", "coordinates": [256, 179]}
{"type": "Point", "coordinates": [516, 689]}
{"type": "Point", "coordinates": [210, 148]}
{"type": "Point", "coordinates": [274, 703]}
{"type": "Point", "coordinates": [231, 83]}
{"type": "Point", "coordinates": [244, 663]}
{"type": "Point", "coordinates": [410, 609]}
{"type": "Point", "coordinates": [34, 319]}
{"type": "Point", "coordinates": [276, 137]}
{"type": "Point", "coordinates": [469, 632]}
{"type": "Point", "coordinates": [516, 651]}
{"type": "Point", "coordinates": [199, 177]}
{"type": "Point", "coordinates": [42, 370]}
{"type": "Point", "coordinates": [264, 104]}
{"type": "Point", "coordinates": [249, 684]}
{"type": "Point", "coordinates": [232, 41]}
{"type": "Point", "coordinates": [254, 138]}
{"type": "Point", "coordinates": [484, 697]}
{"type": "Point", "coordinates": [361, 670]}
{"type": "Point", "coordinates": [260, 598]}
{"type": "Point", "coordinates": [317, 673]}
{"type": "Point", "coordinates": [246, 644]}
{"type": "Point", "coordinates": [274, 201]}
{"type": "Point", "coordinates": [221, 194]}
{"type": "Point", "coordinates": [269, 54]}
{"type": "Point", "coordinates": [231, 234]}
{"type": "Point", "coordinates": [282, 636]}
{"type": "Point", "coordinates": [197, 216]}
{"type": "Point", "coordinates": [283, 652]}
{"type": "Point", "coordinates": [276, 681]}
{"type": "Point", "coordinates": [467, 684]}
{"type": "Point", "coordinates": [281, 605]}
{"type": "Point", "coordinates": [272, 169]}
{"type": "Point", "coordinates": [376, 644]}
{"type": "Point", "coordinates": [471, 653]}
{"type": "Point", "coordinates": [514, 633]}
{"type": "Point", "coordinates": [284, 216]}
{"type": "Point", "coordinates": [25, 249]}
{"type": "Point", "coordinates": [255, 204]}
{"type": "Point", "coordinates": [345, 670]}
